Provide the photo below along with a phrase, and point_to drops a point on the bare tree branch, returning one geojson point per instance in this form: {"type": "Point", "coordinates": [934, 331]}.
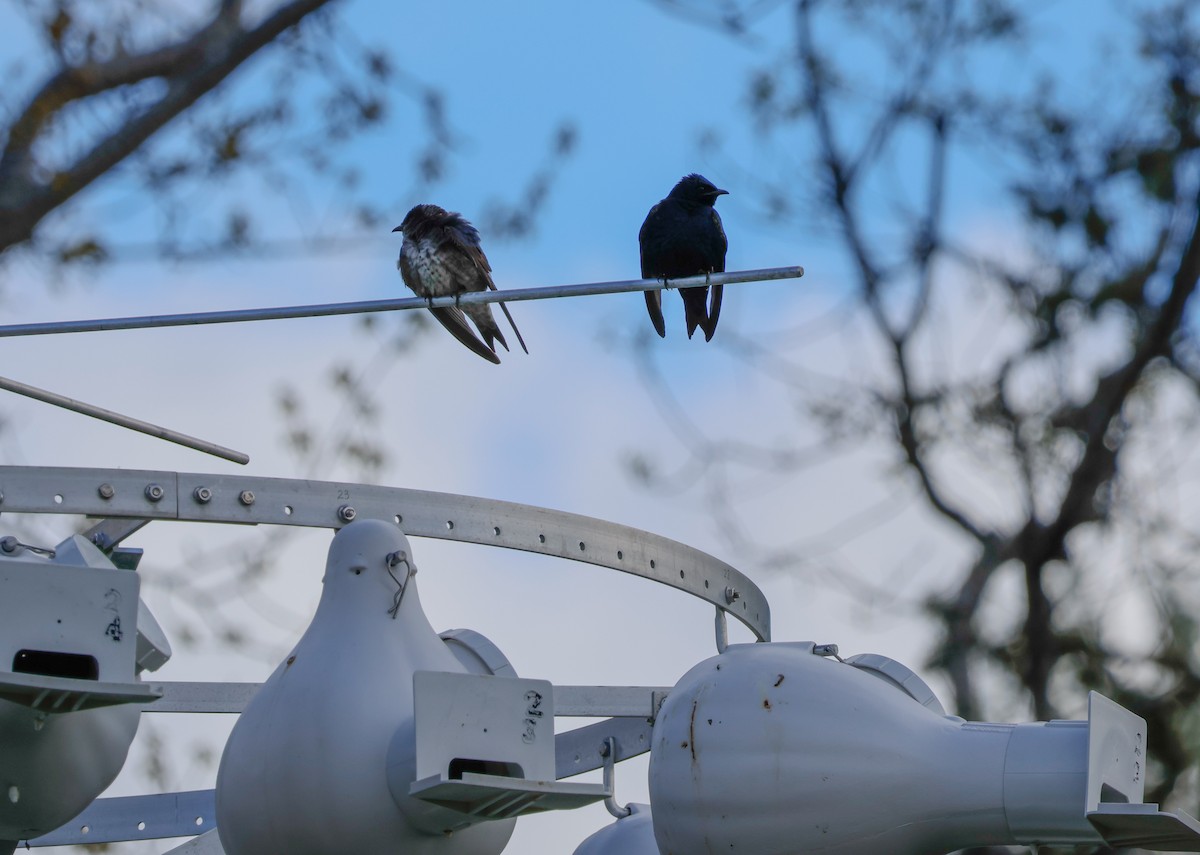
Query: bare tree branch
{"type": "Point", "coordinates": [189, 68]}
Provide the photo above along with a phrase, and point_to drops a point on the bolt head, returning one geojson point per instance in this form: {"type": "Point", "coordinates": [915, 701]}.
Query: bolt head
{"type": "Point", "coordinates": [155, 492]}
{"type": "Point", "coordinates": [347, 513]}
{"type": "Point", "coordinates": [106, 491]}
{"type": "Point", "coordinates": [732, 594]}
{"type": "Point", "coordinates": [202, 495]}
{"type": "Point", "coordinates": [246, 497]}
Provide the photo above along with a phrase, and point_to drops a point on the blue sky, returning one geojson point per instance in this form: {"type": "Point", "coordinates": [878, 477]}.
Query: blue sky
{"type": "Point", "coordinates": [549, 429]}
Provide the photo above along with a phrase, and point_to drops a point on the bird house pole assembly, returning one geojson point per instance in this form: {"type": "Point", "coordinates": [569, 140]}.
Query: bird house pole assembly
{"type": "Point", "coordinates": [378, 734]}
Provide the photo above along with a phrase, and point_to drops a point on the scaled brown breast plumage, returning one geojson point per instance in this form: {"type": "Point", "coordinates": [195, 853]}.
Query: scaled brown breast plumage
{"type": "Point", "coordinates": [442, 256]}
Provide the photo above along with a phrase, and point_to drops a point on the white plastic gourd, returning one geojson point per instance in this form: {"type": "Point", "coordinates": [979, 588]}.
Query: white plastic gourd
{"type": "Point", "coordinates": [304, 771]}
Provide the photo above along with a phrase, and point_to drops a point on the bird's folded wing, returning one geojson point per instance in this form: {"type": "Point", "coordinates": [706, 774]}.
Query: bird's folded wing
{"type": "Point", "coordinates": [467, 245]}
{"type": "Point", "coordinates": [456, 322]}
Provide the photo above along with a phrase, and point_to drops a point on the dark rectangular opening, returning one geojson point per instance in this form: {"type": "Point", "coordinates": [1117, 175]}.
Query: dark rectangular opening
{"type": "Point", "coordinates": [484, 767]}
{"type": "Point", "coordinates": [50, 663]}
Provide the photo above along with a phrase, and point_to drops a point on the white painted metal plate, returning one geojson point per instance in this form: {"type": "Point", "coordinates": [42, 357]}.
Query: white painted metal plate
{"type": "Point", "coordinates": [1144, 826]}
{"type": "Point", "coordinates": [73, 610]}
{"type": "Point", "coordinates": [472, 718]}
{"type": "Point", "coordinates": [1116, 770]}
{"type": "Point", "coordinates": [61, 694]}
{"type": "Point", "coordinates": [496, 797]}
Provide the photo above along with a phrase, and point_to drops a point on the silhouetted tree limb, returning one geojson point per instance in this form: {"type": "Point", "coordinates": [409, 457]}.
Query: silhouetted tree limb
{"type": "Point", "coordinates": [1110, 203]}
{"type": "Point", "coordinates": [188, 69]}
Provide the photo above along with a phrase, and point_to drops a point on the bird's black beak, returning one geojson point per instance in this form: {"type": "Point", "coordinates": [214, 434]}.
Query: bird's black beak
{"type": "Point", "coordinates": [398, 228]}
{"type": "Point", "coordinates": [719, 192]}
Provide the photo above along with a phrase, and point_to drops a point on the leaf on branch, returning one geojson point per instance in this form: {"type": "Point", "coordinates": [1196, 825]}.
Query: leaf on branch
{"type": "Point", "coordinates": [1096, 226]}
{"type": "Point", "coordinates": [88, 251]}
{"type": "Point", "coordinates": [379, 65]}
{"type": "Point", "coordinates": [1157, 170]}
{"type": "Point", "coordinates": [56, 27]}
{"type": "Point", "coordinates": [237, 230]}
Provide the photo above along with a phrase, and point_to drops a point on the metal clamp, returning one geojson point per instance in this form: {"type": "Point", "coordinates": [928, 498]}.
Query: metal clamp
{"type": "Point", "coordinates": [609, 752]}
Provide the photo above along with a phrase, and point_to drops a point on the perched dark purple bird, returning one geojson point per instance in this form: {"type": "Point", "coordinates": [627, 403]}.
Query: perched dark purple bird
{"type": "Point", "coordinates": [441, 257]}
{"type": "Point", "coordinates": [682, 236]}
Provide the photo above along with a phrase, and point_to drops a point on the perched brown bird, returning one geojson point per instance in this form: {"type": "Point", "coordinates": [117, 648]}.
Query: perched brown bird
{"type": "Point", "coordinates": [441, 257]}
{"type": "Point", "coordinates": [682, 236]}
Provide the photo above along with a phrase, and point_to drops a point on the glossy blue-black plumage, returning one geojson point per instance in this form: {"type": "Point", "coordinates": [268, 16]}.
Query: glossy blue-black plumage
{"type": "Point", "coordinates": [683, 236]}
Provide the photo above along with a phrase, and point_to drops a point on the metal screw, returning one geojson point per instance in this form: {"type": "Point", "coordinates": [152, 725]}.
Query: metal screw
{"type": "Point", "coordinates": [106, 491]}
{"type": "Point", "coordinates": [203, 495]}
{"type": "Point", "coordinates": [9, 544]}
{"type": "Point", "coordinates": [347, 513]}
{"type": "Point", "coordinates": [732, 595]}
{"type": "Point", "coordinates": [246, 497]}
{"type": "Point", "coordinates": [155, 492]}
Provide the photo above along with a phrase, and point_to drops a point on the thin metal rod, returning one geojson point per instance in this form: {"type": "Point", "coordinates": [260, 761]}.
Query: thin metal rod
{"type": "Point", "coordinates": [609, 752]}
{"type": "Point", "coordinates": [722, 628]}
{"type": "Point", "coordinates": [123, 421]}
{"type": "Point", "coordinates": [515, 295]}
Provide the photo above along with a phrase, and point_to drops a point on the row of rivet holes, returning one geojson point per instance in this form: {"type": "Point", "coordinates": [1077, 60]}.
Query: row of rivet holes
{"type": "Point", "coordinates": [203, 495]}
{"type": "Point", "coordinates": [141, 826]}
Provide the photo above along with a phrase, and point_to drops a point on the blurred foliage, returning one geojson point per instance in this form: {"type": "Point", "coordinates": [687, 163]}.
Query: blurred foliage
{"type": "Point", "coordinates": [141, 130]}
{"type": "Point", "coordinates": [868, 113]}
{"type": "Point", "coordinates": [208, 148]}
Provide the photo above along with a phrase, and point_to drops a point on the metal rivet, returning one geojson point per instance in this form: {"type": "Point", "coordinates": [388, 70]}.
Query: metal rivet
{"type": "Point", "coordinates": [155, 492]}
{"type": "Point", "coordinates": [732, 594]}
{"type": "Point", "coordinates": [347, 513]}
{"type": "Point", "coordinates": [106, 491]}
{"type": "Point", "coordinates": [246, 497]}
{"type": "Point", "coordinates": [203, 495]}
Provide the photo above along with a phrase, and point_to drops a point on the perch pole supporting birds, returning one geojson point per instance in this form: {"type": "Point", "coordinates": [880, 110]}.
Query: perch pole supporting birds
{"type": "Point", "coordinates": [514, 295]}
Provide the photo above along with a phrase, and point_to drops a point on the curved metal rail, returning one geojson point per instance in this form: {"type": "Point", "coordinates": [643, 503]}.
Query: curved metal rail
{"type": "Point", "coordinates": [250, 500]}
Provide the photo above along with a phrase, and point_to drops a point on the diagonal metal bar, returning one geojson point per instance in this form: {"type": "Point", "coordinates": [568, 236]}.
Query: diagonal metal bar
{"type": "Point", "coordinates": [515, 295]}
{"type": "Point", "coordinates": [149, 817]}
{"type": "Point", "coordinates": [123, 421]}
